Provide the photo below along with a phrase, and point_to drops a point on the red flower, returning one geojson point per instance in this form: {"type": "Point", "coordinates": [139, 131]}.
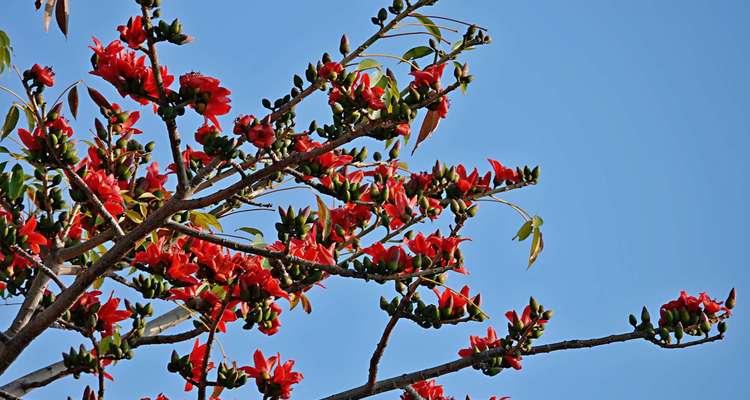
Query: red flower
{"type": "Point", "coordinates": [392, 255]}
{"type": "Point", "coordinates": [206, 130]}
{"type": "Point", "coordinates": [122, 122]}
{"type": "Point", "coordinates": [330, 68]}
{"type": "Point", "coordinates": [106, 189]}
{"type": "Point", "coordinates": [154, 180]}
{"type": "Point", "coordinates": [181, 269]}
{"type": "Point", "coordinates": [109, 315]}
{"type": "Point", "coordinates": [430, 76]}
{"type": "Point", "coordinates": [206, 97]}
{"type": "Point", "coordinates": [451, 301]}
{"type": "Point", "coordinates": [34, 239]}
{"type": "Point", "coordinates": [59, 125]}
{"type": "Point", "coordinates": [512, 361]}
{"type": "Point", "coordinates": [31, 141]}
{"type": "Point", "coordinates": [133, 33]}
{"type": "Point", "coordinates": [127, 72]}
{"type": "Point", "coordinates": [503, 173]}
{"type": "Point", "coordinates": [261, 135]}
{"type": "Point", "coordinates": [478, 344]}
{"type": "Point", "coordinates": [279, 384]}
{"type": "Point", "coordinates": [242, 124]}
{"type": "Point", "coordinates": [441, 106]}
{"type": "Point", "coordinates": [428, 390]}
{"type": "Point", "coordinates": [189, 155]}
{"type": "Point", "coordinates": [525, 319]}
{"type": "Point", "coordinates": [197, 357]}
{"type": "Point", "coordinates": [400, 207]}
{"type": "Point", "coordinates": [370, 95]}
{"type": "Point", "coordinates": [693, 304]}
{"type": "Point", "coordinates": [43, 75]}
{"type": "Point", "coordinates": [403, 129]}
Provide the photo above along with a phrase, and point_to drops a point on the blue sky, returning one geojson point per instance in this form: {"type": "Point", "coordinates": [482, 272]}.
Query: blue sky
{"type": "Point", "coordinates": [638, 114]}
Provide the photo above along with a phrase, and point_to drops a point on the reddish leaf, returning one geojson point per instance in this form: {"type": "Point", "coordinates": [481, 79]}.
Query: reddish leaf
{"type": "Point", "coordinates": [98, 98]}
{"type": "Point", "coordinates": [429, 124]}
{"type": "Point", "coordinates": [73, 101]}
{"type": "Point", "coordinates": [61, 15]}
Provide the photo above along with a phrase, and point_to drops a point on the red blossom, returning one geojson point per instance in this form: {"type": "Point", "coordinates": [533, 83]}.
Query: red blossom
{"type": "Point", "coordinates": [108, 315]}
{"type": "Point", "coordinates": [479, 344]}
{"type": "Point", "coordinates": [327, 70]}
{"type": "Point", "coordinates": [525, 319]}
{"type": "Point", "coordinates": [127, 72]}
{"type": "Point", "coordinates": [428, 390]}
{"type": "Point", "coordinates": [403, 129]}
{"type": "Point", "coordinates": [34, 239]}
{"type": "Point", "coordinates": [430, 76]}
{"type": "Point", "coordinates": [154, 180]}
{"type": "Point", "coordinates": [261, 135]}
{"type": "Point", "coordinates": [33, 141]}
{"type": "Point", "coordinates": [43, 75]}
{"type": "Point", "coordinates": [133, 33]}
{"type": "Point", "coordinates": [205, 130]}
{"type": "Point", "coordinates": [124, 124]}
{"type": "Point", "coordinates": [277, 383]}
{"type": "Point", "coordinates": [452, 301]}
{"type": "Point", "coordinates": [59, 124]}
{"type": "Point", "coordinates": [206, 97]}
{"type": "Point", "coordinates": [106, 189]}
{"type": "Point", "coordinates": [197, 358]}
{"type": "Point", "coordinates": [503, 173]}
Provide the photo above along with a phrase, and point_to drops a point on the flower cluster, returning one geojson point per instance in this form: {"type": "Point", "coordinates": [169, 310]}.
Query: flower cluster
{"type": "Point", "coordinates": [274, 378]}
{"type": "Point", "coordinates": [687, 315]}
{"type": "Point", "coordinates": [521, 331]}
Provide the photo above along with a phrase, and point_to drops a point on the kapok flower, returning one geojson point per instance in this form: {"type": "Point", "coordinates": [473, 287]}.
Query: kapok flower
{"type": "Point", "coordinates": [451, 303]}
{"type": "Point", "coordinates": [154, 180]}
{"type": "Point", "coordinates": [503, 173]}
{"type": "Point", "coordinates": [106, 188]}
{"type": "Point", "coordinates": [525, 319]}
{"type": "Point", "coordinates": [33, 141]}
{"type": "Point", "coordinates": [478, 344]}
{"type": "Point", "coordinates": [428, 390]}
{"type": "Point", "coordinates": [206, 97]}
{"type": "Point", "coordinates": [34, 239]}
{"type": "Point", "coordinates": [330, 69]}
{"type": "Point", "coordinates": [108, 315]}
{"type": "Point", "coordinates": [42, 75]}
{"type": "Point", "coordinates": [430, 76]}
{"type": "Point", "coordinates": [127, 72]}
{"type": "Point", "coordinates": [261, 135]}
{"type": "Point", "coordinates": [133, 33]}
{"type": "Point", "coordinates": [197, 358]}
{"type": "Point", "coordinates": [276, 384]}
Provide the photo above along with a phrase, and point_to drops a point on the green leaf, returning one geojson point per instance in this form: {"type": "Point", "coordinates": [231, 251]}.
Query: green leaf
{"type": "Point", "coordinates": [4, 39]}
{"type": "Point", "coordinates": [73, 101]}
{"type": "Point", "coordinates": [537, 244]}
{"type": "Point", "coordinates": [250, 230]}
{"type": "Point", "coordinates": [324, 216]}
{"type": "Point", "coordinates": [524, 231]}
{"type": "Point", "coordinates": [367, 63]}
{"type": "Point", "coordinates": [417, 52]}
{"type": "Point", "coordinates": [11, 120]}
{"type": "Point", "coordinates": [30, 118]}
{"type": "Point", "coordinates": [205, 220]}
{"type": "Point", "coordinates": [429, 25]}
{"type": "Point", "coordinates": [16, 186]}
{"type": "Point", "coordinates": [134, 216]}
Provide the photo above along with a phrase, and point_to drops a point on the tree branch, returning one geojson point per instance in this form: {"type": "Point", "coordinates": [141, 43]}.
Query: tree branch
{"type": "Point", "coordinates": [401, 381]}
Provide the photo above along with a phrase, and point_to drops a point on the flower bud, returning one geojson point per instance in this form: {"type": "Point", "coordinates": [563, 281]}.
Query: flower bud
{"type": "Point", "coordinates": [731, 300]}
{"type": "Point", "coordinates": [722, 326]}
{"type": "Point", "coordinates": [645, 317]}
{"type": "Point", "coordinates": [344, 45]}
{"type": "Point", "coordinates": [633, 320]}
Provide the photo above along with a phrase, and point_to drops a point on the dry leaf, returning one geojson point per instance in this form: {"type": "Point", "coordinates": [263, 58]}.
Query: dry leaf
{"type": "Point", "coordinates": [429, 125]}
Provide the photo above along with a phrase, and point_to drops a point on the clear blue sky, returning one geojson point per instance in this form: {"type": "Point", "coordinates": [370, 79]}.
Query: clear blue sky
{"type": "Point", "coordinates": [638, 112]}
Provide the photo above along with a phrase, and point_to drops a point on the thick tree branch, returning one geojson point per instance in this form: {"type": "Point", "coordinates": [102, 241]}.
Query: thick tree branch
{"type": "Point", "coordinates": [44, 376]}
